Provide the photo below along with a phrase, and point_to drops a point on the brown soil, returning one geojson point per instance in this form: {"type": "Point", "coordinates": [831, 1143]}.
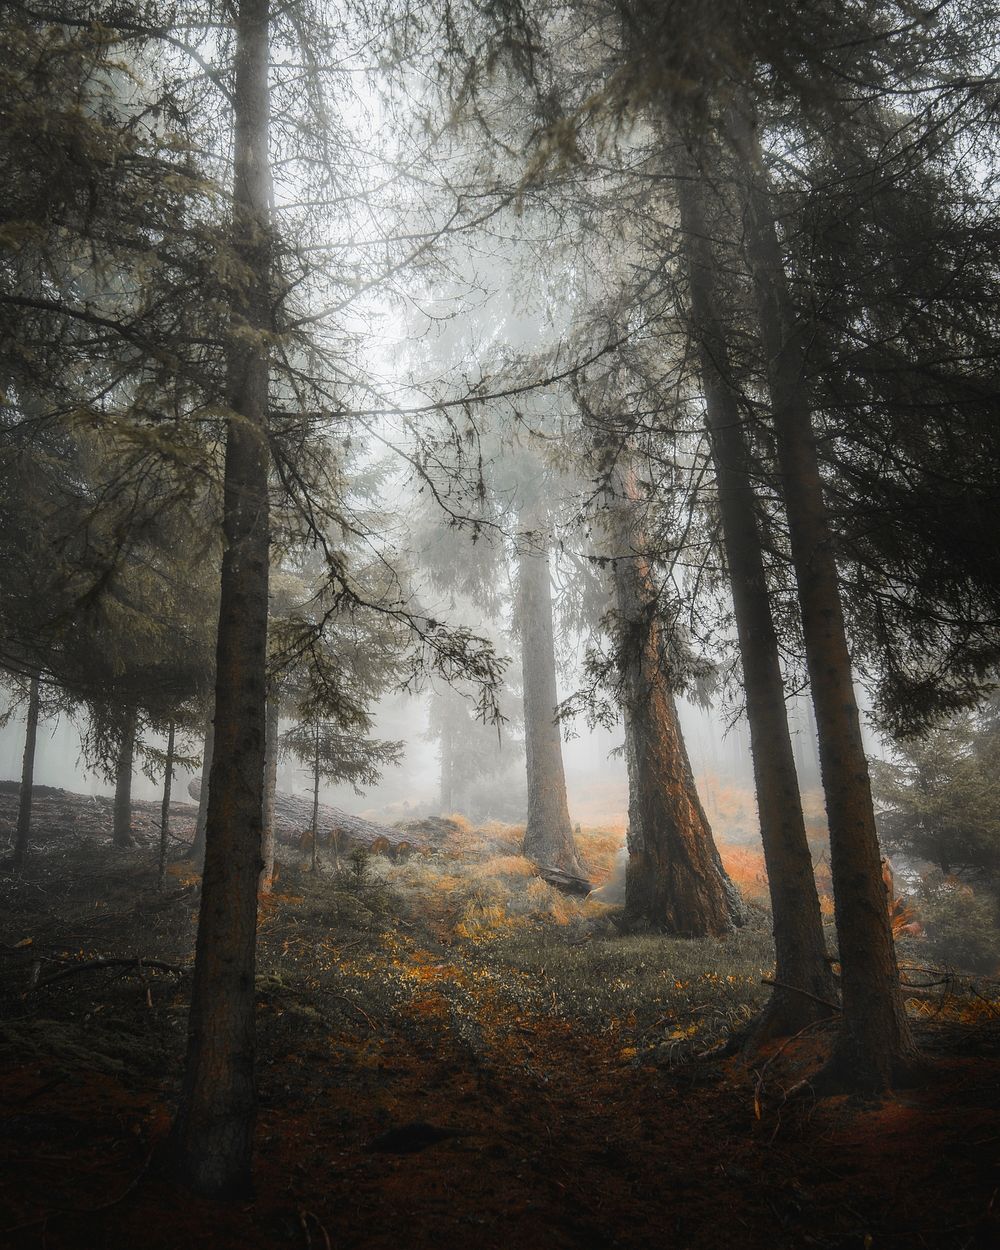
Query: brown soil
{"type": "Point", "coordinates": [410, 1098]}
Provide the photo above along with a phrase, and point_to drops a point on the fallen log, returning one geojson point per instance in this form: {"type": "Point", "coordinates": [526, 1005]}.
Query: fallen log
{"type": "Point", "coordinates": [568, 882]}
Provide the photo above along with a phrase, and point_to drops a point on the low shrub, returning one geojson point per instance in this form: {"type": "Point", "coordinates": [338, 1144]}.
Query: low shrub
{"type": "Point", "coordinates": [960, 927]}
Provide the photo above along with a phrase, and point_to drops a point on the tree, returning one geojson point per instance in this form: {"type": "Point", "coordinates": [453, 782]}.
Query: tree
{"type": "Point", "coordinates": [168, 777]}
{"type": "Point", "coordinates": [159, 372]}
{"type": "Point", "coordinates": [937, 798]}
{"type": "Point", "coordinates": [121, 835]}
{"type": "Point", "coordinates": [332, 755]}
{"type": "Point", "coordinates": [213, 1131]}
{"type": "Point", "coordinates": [874, 1046]}
{"type": "Point", "coordinates": [548, 834]}
{"type": "Point", "coordinates": [476, 756]}
{"type": "Point", "coordinates": [672, 61]}
{"type": "Point", "coordinates": [23, 833]}
{"type": "Point", "coordinates": [804, 979]}
{"type": "Point", "coordinates": [509, 521]}
{"type": "Point", "coordinates": [675, 878]}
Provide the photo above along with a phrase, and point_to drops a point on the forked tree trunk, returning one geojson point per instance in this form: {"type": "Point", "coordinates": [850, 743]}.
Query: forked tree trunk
{"type": "Point", "coordinates": [168, 779]}
{"type": "Point", "coordinates": [27, 777]}
{"type": "Point", "coordinates": [548, 835]}
{"type": "Point", "coordinates": [875, 1046]}
{"type": "Point", "coordinates": [270, 785]}
{"type": "Point", "coordinates": [212, 1136]}
{"type": "Point", "coordinates": [803, 975]}
{"type": "Point", "coordinates": [122, 826]}
{"type": "Point", "coordinates": [197, 849]}
{"type": "Point", "coordinates": [674, 880]}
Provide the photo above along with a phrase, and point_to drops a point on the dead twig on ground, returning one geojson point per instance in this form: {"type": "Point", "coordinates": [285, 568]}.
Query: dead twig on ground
{"type": "Point", "coordinates": [351, 1003]}
{"type": "Point", "coordinates": [304, 1220]}
{"type": "Point", "coordinates": [794, 989]}
{"type": "Point", "coordinates": [758, 1091]}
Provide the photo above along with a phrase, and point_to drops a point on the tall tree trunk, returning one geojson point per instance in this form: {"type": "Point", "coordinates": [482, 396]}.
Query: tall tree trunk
{"type": "Point", "coordinates": [27, 777]}
{"type": "Point", "coordinates": [802, 971]}
{"type": "Point", "coordinates": [315, 811]}
{"type": "Point", "coordinates": [122, 826]}
{"type": "Point", "coordinates": [168, 779]}
{"type": "Point", "coordinates": [874, 1046]}
{"type": "Point", "coordinates": [548, 836]}
{"type": "Point", "coordinates": [213, 1132]}
{"type": "Point", "coordinates": [266, 882]}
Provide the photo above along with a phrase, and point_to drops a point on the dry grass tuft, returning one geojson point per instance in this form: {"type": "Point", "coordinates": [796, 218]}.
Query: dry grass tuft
{"type": "Point", "coordinates": [504, 866]}
{"type": "Point", "coordinates": [600, 848]}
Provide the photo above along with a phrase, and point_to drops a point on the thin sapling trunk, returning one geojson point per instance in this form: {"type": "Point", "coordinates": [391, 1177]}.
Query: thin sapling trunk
{"type": "Point", "coordinates": [27, 777]}
{"type": "Point", "coordinates": [270, 786]}
{"type": "Point", "coordinates": [168, 780]}
{"type": "Point", "coordinates": [315, 811]}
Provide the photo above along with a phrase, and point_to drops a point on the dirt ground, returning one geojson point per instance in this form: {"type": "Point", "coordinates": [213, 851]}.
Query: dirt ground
{"type": "Point", "coordinates": [426, 1084]}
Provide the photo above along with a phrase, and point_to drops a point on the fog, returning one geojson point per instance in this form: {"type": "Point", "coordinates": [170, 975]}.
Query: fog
{"type": "Point", "coordinates": [595, 769]}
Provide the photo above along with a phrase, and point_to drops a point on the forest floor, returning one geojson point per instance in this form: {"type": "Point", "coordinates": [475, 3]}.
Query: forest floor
{"type": "Point", "coordinates": [451, 1053]}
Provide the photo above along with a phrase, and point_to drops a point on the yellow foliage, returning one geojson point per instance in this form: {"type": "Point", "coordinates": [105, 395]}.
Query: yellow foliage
{"type": "Point", "coordinates": [745, 865]}
{"type": "Point", "coordinates": [505, 866]}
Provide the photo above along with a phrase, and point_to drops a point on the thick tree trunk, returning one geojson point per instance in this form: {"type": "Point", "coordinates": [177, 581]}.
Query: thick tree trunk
{"type": "Point", "coordinates": [674, 880]}
{"type": "Point", "coordinates": [213, 1133]}
{"type": "Point", "coordinates": [802, 971]}
{"type": "Point", "coordinates": [27, 777]}
{"type": "Point", "coordinates": [874, 1046]}
{"type": "Point", "coordinates": [548, 835]}
{"type": "Point", "coordinates": [168, 779]}
{"type": "Point", "coordinates": [197, 848]}
{"type": "Point", "coordinates": [122, 826]}
{"type": "Point", "coordinates": [266, 882]}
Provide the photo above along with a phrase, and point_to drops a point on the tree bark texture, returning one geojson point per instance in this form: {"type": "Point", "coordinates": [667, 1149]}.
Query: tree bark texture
{"type": "Point", "coordinates": [197, 851]}
{"type": "Point", "coordinates": [266, 882]}
{"type": "Point", "coordinates": [27, 777]}
{"type": "Point", "coordinates": [213, 1131]}
{"type": "Point", "coordinates": [168, 779]}
{"type": "Point", "coordinates": [122, 823]}
{"type": "Point", "coordinates": [548, 835]}
{"type": "Point", "coordinates": [874, 1046]}
{"type": "Point", "coordinates": [674, 880]}
{"type": "Point", "coordinates": [800, 949]}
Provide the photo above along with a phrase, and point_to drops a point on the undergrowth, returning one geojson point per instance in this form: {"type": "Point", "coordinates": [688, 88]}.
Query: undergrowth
{"type": "Point", "coordinates": [445, 946]}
